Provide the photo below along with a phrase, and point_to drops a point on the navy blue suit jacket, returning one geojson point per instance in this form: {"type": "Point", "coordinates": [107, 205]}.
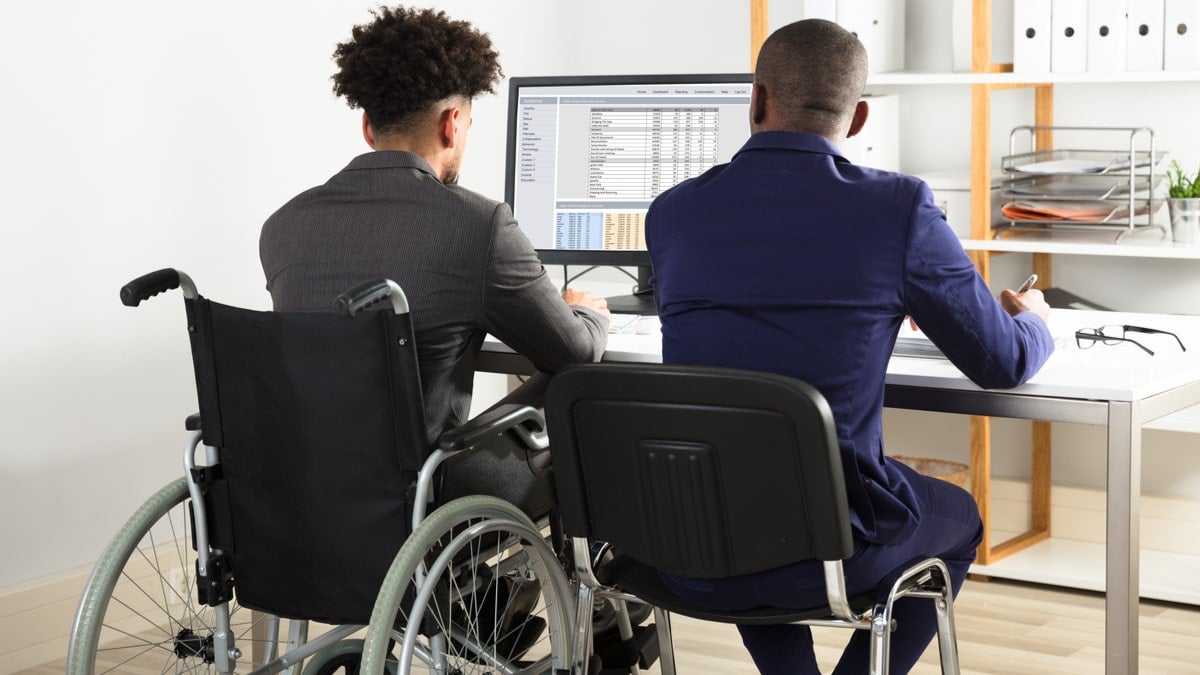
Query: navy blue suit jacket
{"type": "Point", "coordinates": [792, 260]}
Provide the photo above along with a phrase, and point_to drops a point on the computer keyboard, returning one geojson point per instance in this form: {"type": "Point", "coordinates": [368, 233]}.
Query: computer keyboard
{"type": "Point", "coordinates": [619, 322]}
{"type": "Point", "coordinates": [634, 323]}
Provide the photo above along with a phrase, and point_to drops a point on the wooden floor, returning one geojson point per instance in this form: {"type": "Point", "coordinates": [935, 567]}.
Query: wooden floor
{"type": "Point", "coordinates": [1003, 627]}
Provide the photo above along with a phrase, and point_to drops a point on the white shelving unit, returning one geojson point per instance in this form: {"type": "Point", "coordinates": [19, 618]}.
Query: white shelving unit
{"type": "Point", "coordinates": [902, 78]}
{"type": "Point", "coordinates": [1059, 560]}
{"type": "Point", "coordinates": [1148, 244]}
{"type": "Point", "coordinates": [1072, 563]}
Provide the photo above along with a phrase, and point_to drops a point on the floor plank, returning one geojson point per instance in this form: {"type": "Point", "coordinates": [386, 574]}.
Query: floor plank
{"type": "Point", "coordinates": [1004, 628]}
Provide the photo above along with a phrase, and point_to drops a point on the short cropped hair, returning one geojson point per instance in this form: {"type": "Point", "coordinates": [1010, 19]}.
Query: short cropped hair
{"type": "Point", "coordinates": [816, 70]}
{"type": "Point", "coordinates": [404, 61]}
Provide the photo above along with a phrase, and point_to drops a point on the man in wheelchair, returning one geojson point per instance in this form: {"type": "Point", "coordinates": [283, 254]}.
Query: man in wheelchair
{"type": "Point", "coordinates": [398, 213]}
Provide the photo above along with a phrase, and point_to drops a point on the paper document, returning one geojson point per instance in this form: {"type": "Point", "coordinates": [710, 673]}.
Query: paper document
{"type": "Point", "coordinates": [1077, 165]}
{"type": "Point", "coordinates": [619, 322]}
{"type": "Point", "coordinates": [914, 343]}
{"type": "Point", "coordinates": [1070, 189]}
{"type": "Point", "coordinates": [1053, 210]}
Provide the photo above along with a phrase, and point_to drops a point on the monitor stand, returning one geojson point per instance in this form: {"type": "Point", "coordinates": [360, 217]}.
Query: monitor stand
{"type": "Point", "coordinates": [642, 300]}
{"type": "Point", "coordinates": [641, 303]}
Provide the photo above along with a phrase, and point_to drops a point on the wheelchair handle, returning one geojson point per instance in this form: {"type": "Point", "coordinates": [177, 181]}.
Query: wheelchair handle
{"type": "Point", "coordinates": [161, 281]}
{"type": "Point", "coordinates": [364, 296]}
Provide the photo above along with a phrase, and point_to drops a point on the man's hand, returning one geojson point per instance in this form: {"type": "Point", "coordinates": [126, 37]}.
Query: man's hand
{"type": "Point", "coordinates": [1029, 301]}
{"type": "Point", "coordinates": [586, 299]}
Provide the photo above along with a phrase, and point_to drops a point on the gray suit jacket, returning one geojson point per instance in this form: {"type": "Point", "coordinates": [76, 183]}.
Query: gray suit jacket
{"type": "Point", "coordinates": [462, 261]}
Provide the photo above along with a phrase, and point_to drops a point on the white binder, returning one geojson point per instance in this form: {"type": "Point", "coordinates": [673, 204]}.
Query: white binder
{"type": "Point", "coordinates": [878, 144]}
{"type": "Point", "coordinates": [820, 9]}
{"type": "Point", "coordinates": [1106, 36]}
{"type": "Point", "coordinates": [885, 48]}
{"type": "Point", "coordinates": [1031, 36]}
{"type": "Point", "coordinates": [1144, 35]}
{"type": "Point", "coordinates": [1181, 35]}
{"type": "Point", "coordinates": [855, 16]}
{"type": "Point", "coordinates": [1068, 36]}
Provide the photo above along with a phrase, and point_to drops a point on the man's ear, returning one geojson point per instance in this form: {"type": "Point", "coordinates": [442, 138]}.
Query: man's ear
{"type": "Point", "coordinates": [859, 120]}
{"type": "Point", "coordinates": [758, 104]}
{"type": "Point", "coordinates": [448, 121]}
{"type": "Point", "coordinates": [368, 132]}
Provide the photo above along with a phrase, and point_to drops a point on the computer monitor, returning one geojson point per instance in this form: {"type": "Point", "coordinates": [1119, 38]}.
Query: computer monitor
{"type": "Point", "coordinates": [587, 155]}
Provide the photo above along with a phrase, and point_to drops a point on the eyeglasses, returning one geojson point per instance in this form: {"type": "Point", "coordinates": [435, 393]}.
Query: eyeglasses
{"type": "Point", "coordinates": [1086, 337]}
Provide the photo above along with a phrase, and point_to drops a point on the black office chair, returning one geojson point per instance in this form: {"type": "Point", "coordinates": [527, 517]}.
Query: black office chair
{"type": "Point", "coordinates": [712, 473]}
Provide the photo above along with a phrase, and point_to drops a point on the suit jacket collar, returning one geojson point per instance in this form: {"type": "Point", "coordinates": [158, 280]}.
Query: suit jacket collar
{"type": "Point", "coordinates": [792, 140]}
{"type": "Point", "coordinates": [390, 159]}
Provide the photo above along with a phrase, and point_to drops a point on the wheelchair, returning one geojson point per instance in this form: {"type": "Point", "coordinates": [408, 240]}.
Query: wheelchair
{"type": "Point", "coordinates": [307, 476]}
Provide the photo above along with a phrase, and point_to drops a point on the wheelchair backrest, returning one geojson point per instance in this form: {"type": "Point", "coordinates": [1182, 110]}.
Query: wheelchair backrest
{"type": "Point", "coordinates": [699, 472]}
{"type": "Point", "coordinates": [320, 425]}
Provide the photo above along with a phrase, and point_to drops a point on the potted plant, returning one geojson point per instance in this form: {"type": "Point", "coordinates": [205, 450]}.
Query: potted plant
{"type": "Point", "coordinates": [1183, 203]}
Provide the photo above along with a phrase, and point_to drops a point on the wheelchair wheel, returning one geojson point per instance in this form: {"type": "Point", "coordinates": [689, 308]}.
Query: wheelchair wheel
{"type": "Point", "coordinates": [475, 589]}
{"type": "Point", "coordinates": [139, 610]}
{"type": "Point", "coordinates": [343, 657]}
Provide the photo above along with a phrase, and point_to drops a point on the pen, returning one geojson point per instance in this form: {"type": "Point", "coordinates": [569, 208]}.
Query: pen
{"type": "Point", "coordinates": [1028, 284]}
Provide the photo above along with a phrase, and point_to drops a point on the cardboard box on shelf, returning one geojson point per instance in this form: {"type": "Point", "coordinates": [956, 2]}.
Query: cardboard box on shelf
{"type": "Point", "coordinates": [952, 194]}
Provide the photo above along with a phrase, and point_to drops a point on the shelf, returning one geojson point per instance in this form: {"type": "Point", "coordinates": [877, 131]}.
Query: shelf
{"type": "Point", "coordinates": [1186, 420]}
{"type": "Point", "coordinates": [922, 78]}
{"type": "Point", "coordinates": [1147, 243]}
{"type": "Point", "coordinates": [1071, 563]}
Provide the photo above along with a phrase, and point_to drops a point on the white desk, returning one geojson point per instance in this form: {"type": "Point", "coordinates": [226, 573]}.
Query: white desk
{"type": "Point", "coordinates": [1119, 387]}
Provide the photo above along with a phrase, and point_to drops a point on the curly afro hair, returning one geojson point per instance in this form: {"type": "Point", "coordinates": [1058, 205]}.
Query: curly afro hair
{"type": "Point", "coordinates": [406, 60]}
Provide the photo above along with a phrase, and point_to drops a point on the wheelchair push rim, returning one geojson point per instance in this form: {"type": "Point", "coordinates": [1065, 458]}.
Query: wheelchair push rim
{"type": "Point", "coordinates": [139, 607]}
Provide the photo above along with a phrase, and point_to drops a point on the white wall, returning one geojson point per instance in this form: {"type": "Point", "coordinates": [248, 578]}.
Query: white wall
{"type": "Point", "coordinates": [141, 134]}
{"type": "Point", "coordinates": [138, 135]}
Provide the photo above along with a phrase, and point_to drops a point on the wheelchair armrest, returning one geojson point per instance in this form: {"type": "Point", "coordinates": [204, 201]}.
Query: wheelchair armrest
{"type": "Point", "coordinates": [521, 418]}
{"type": "Point", "coordinates": [192, 423]}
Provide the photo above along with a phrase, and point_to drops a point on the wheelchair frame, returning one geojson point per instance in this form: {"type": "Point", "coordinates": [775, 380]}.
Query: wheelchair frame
{"type": "Point", "coordinates": [213, 584]}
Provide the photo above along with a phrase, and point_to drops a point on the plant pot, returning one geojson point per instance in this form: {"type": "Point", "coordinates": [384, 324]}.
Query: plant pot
{"type": "Point", "coordinates": [1185, 220]}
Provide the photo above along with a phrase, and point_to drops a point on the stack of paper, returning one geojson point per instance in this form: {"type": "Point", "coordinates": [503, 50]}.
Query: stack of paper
{"type": "Point", "coordinates": [917, 347]}
{"type": "Point", "coordinates": [1078, 165]}
{"type": "Point", "coordinates": [912, 342]}
{"type": "Point", "coordinates": [1057, 210]}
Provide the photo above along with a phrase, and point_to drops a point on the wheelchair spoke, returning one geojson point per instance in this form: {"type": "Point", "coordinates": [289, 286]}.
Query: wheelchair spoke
{"type": "Point", "coordinates": [146, 647]}
{"type": "Point", "coordinates": [162, 581]}
{"type": "Point", "coordinates": [145, 624]}
{"type": "Point", "coordinates": [492, 596]}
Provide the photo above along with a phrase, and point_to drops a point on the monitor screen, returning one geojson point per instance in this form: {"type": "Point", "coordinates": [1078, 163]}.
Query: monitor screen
{"type": "Point", "coordinates": [587, 155]}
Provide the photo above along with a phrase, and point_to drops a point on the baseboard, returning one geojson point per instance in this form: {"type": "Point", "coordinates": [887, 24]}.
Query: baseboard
{"type": "Point", "coordinates": [36, 618]}
{"type": "Point", "coordinates": [1079, 513]}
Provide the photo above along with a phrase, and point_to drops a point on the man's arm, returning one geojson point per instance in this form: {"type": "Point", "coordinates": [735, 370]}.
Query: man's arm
{"type": "Point", "coordinates": [524, 309]}
{"type": "Point", "coordinates": [998, 344]}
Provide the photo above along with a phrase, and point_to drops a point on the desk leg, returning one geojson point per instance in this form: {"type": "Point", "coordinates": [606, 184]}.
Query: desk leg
{"type": "Point", "coordinates": [1122, 545]}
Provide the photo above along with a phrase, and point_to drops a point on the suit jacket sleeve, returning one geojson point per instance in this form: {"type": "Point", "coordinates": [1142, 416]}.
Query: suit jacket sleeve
{"type": "Point", "coordinates": [523, 309]}
{"type": "Point", "coordinates": [953, 306]}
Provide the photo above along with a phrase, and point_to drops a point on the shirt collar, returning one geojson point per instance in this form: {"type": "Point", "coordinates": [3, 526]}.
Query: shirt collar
{"type": "Point", "coordinates": [791, 140]}
{"type": "Point", "coordinates": [390, 159]}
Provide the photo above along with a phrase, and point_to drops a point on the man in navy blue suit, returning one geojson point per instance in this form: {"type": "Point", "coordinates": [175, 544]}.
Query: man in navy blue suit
{"type": "Point", "coordinates": [790, 259]}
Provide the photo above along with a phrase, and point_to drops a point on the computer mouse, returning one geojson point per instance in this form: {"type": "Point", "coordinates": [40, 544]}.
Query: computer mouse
{"type": "Point", "coordinates": [648, 325]}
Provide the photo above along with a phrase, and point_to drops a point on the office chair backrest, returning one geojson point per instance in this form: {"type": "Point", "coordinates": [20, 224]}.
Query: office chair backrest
{"type": "Point", "coordinates": [321, 431]}
{"type": "Point", "coordinates": [699, 472]}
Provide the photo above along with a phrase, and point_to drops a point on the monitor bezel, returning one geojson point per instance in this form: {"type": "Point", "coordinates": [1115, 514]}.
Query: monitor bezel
{"type": "Point", "coordinates": [591, 257]}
